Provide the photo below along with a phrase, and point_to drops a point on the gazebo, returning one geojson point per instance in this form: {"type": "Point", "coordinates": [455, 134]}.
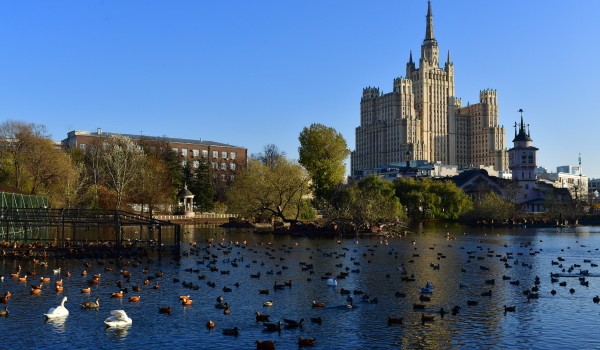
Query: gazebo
{"type": "Point", "coordinates": [185, 202]}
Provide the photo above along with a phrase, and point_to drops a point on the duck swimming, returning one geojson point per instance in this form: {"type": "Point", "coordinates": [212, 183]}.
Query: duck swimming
{"type": "Point", "coordinates": [91, 304]}
{"type": "Point", "coordinates": [59, 311]}
{"type": "Point", "coordinates": [118, 319]}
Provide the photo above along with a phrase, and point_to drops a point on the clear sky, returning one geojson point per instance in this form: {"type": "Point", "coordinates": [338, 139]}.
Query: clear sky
{"type": "Point", "coordinates": [252, 73]}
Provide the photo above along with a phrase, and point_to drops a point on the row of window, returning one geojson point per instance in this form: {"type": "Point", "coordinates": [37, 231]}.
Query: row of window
{"type": "Point", "coordinates": [196, 153]}
{"type": "Point", "coordinates": [213, 165]}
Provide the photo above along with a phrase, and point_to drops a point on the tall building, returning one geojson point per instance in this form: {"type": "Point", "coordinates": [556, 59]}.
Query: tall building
{"type": "Point", "coordinates": [422, 119]}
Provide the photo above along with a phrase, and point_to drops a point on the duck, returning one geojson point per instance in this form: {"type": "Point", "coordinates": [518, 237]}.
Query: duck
{"type": "Point", "coordinates": [265, 344]}
{"type": "Point", "coordinates": [4, 299]}
{"type": "Point", "coordinates": [427, 318]}
{"type": "Point", "coordinates": [268, 303]}
{"type": "Point", "coordinates": [118, 319]}
{"type": "Point", "coordinates": [596, 299]}
{"type": "Point", "coordinates": [306, 341]}
{"type": "Point", "coordinates": [509, 309]}
{"type": "Point", "coordinates": [87, 290]}
{"type": "Point", "coordinates": [118, 294]}
{"type": "Point", "coordinates": [23, 279]}
{"type": "Point", "coordinates": [164, 310]}
{"type": "Point", "coordinates": [318, 304]}
{"type": "Point", "coordinates": [293, 323]}
{"type": "Point", "coordinates": [272, 327]}
{"type": "Point", "coordinates": [186, 302]}
{"type": "Point", "coordinates": [332, 282]}
{"type": "Point", "coordinates": [91, 304]}
{"type": "Point", "coordinates": [317, 320]}
{"type": "Point", "coordinates": [394, 320]}
{"type": "Point", "coordinates": [210, 324]}
{"type": "Point", "coordinates": [261, 317]}
{"type": "Point", "coordinates": [231, 331]}
{"type": "Point", "coordinates": [45, 279]}
{"type": "Point", "coordinates": [57, 271]}
{"type": "Point", "coordinates": [135, 298]}
{"type": "Point", "coordinates": [58, 282]}
{"type": "Point", "coordinates": [4, 312]}
{"type": "Point", "coordinates": [59, 311]}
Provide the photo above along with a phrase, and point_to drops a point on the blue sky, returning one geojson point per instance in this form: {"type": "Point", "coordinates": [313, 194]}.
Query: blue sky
{"type": "Point", "coordinates": [252, 73]}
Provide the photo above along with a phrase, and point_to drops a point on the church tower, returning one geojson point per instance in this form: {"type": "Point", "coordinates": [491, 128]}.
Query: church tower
{"type": "Point", "coordinates": [522, 161]}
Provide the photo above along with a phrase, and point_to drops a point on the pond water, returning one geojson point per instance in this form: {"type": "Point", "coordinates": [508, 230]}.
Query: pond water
{"type": "Point", "coordinates": [459, 262]}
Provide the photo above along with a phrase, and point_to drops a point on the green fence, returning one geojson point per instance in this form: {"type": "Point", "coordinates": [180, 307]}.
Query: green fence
{"type": "Point", "coordinates": [17, 228]}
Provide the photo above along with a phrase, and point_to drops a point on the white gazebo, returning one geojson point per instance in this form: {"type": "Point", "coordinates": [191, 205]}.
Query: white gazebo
{"type": "Point", "coordinates": [185, 202]}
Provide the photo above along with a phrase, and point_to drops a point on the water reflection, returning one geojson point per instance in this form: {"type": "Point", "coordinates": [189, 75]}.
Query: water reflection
{"type": "Point", "coordinates": [58, 324]}
{"type": "Point", "coordinates": [117, 333]}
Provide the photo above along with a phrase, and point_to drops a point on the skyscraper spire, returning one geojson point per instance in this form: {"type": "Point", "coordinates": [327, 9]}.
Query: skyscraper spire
{"type": "Point", "coordinates": [429, 29]}
{"type": "Point", "coordinates": [410, 60]}
{"type": "Point", "coordinates": [429, 48]}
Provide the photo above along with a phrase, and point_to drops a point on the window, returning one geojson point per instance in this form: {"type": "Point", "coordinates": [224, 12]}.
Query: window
{"type": "Point", "coordinates": [213, 165]}
{"type": "Point", "coordinates": [232, 155]}
{"type": "Point", "coordinates": [224, 155]}
{"type": "Point", "coordinates": [215, 154]}
{"type": "Point", "coordinates": [82, 146]}
{"type": "Point", "coordinates": [184, 163]}
{"type": "Point", "coordinates": [223, 166]}
{"type": "Point", "coordinates": [196, 153]}
{"type": "Point", "coordinates": [176, 150]}
{"type": "Point", "coordinates": [232, 166]}
{"type": "Point", "coordinates": [205, 153]}
{"type": "Point", "coordinates": [184, 152]}
{"type": "Point", "coordinates": [196, 164]}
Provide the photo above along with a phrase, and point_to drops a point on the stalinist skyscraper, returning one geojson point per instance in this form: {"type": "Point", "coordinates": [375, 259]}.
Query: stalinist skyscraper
{"type": "Point", "coordinates": [422, 119]}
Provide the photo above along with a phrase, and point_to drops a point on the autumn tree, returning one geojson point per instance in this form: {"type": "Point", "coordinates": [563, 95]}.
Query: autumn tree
{"type": "Point", "coordinates": [267, 192]}
{"type": "Point", "coordinates": [322, 152]}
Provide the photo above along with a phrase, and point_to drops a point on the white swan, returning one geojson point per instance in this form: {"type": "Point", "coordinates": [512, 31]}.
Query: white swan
{"type": "Point", "coordinates": [332, 282]}
{"type": "Point", "coordinates": [59, 311]}
{"type": "Point", "coordinates": [57, 271]}
{"type": "Point", "coordinates": [118, 319]}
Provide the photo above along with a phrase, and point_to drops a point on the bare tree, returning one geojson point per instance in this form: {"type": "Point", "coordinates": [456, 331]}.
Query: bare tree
{"type": "Point", "coordinates": [122, 161]}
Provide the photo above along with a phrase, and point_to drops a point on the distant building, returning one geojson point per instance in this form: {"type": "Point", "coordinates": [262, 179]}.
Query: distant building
{"type": "Point", "coordinates": [225, 160]}
{"type": "Point", "coordinates": [422, 118]}
{"type": "Point", "coordinates": [524, 188]}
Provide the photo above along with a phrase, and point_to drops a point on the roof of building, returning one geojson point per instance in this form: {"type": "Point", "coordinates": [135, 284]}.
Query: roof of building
{"type": "Point", "coordinates": [164, 138]}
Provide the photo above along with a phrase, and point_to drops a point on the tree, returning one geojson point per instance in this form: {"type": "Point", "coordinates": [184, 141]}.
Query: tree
{"type": "Point", "coordinates": [269, 156]}
{"type": "Point", "coordinates": [426, 198]}
{"type": "Point", "coordinates": [14, 148]}
{"type": "Point", "coordinates": [322, 152]}
{"type": "Point", "coordinates": [268, 192]}
{"type": "Point", "coordinates": [122, 161]}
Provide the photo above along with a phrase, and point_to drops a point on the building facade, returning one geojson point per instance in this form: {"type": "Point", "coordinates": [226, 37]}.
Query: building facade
{"type": "Point", "coordinates": [421, 119]}
{"type": "Point", "coordinates": [225, 160]}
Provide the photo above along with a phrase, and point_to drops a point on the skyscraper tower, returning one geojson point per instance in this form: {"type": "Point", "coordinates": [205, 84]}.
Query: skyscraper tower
{"type": "Point", "coordinates": [422, 116]}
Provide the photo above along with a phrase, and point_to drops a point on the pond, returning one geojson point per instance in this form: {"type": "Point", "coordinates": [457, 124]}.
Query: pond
{"type": "Point", "coordinates": [491, 268]}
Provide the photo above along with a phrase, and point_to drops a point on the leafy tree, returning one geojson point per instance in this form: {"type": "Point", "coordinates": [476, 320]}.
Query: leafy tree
{"type": "Point", "coordinates": [492, 207]}
{"type": "Point", "coordinates": [201, 184]}
{"type": "Point", "coordinates": [427, 198]}
{"type": "Point", "coordinates": [370, 201]}
{"type": "Point", "coordinates": [268, 192]}
{"type": "Point", "coordinates": [322, 152]}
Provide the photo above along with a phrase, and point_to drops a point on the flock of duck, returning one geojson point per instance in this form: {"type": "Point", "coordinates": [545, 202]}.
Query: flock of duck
{"type": "Point", "coordinates": [410, 298]}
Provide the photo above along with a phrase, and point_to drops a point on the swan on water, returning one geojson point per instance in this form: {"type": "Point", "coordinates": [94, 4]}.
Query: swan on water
{"type": "Point", "coordinates": [59, 311]}
{"type": "Point", "coordinates": [118, 319]}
